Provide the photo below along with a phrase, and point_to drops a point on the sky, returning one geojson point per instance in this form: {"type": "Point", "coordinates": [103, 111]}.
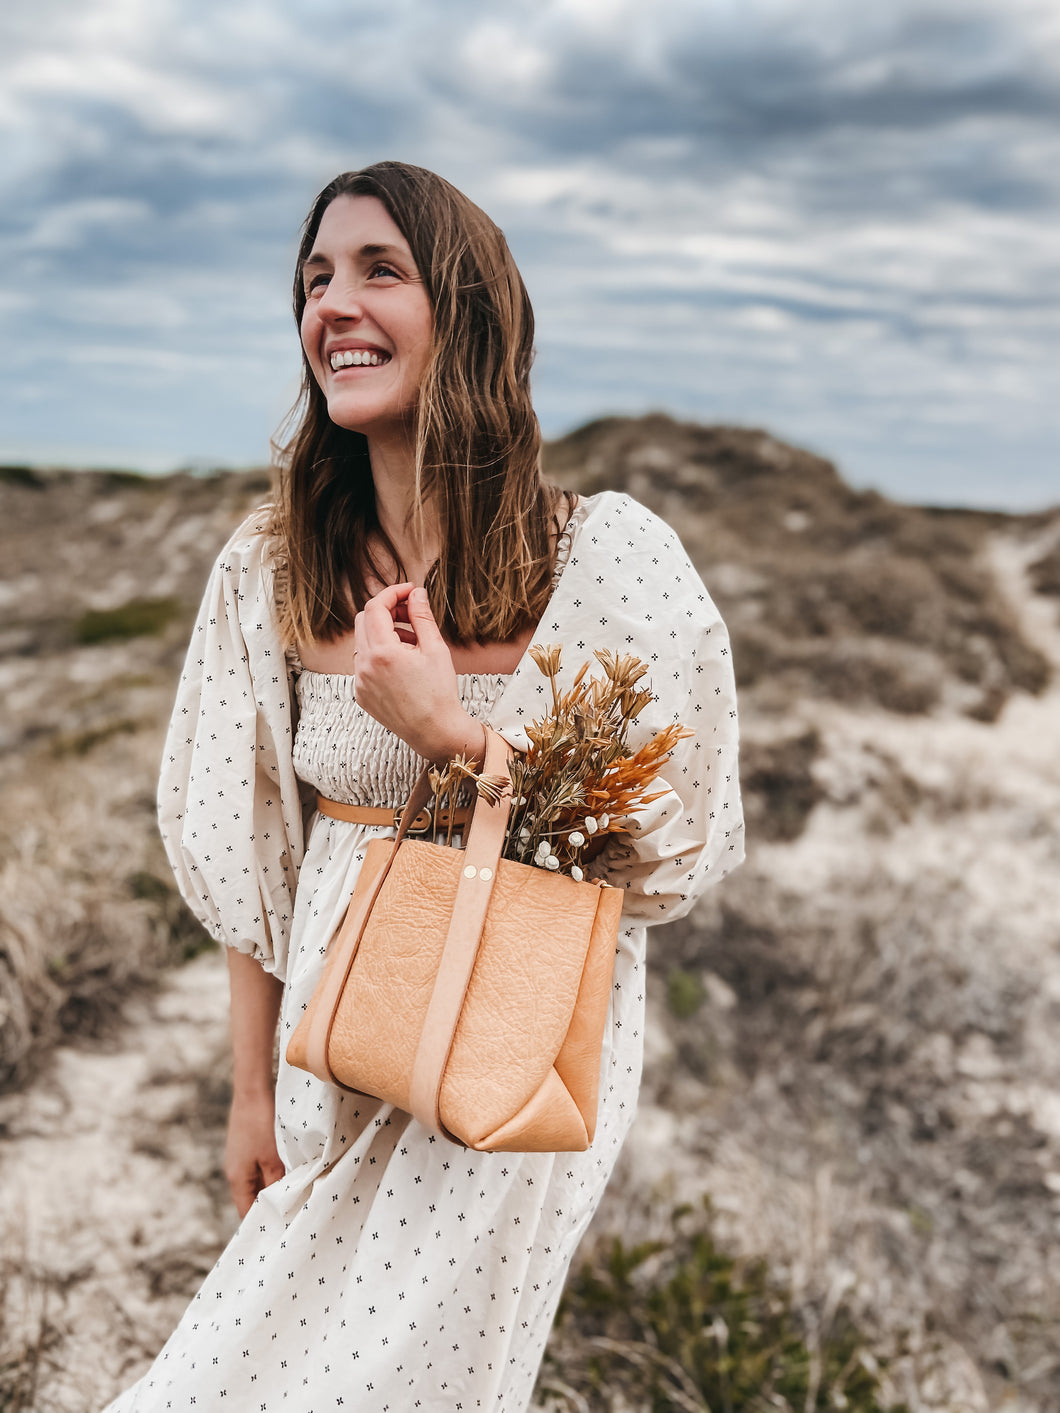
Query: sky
{"type": "Point", "coordinates": [832, 221]}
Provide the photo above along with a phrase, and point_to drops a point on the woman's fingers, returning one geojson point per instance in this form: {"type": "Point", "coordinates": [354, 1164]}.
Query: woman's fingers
{"type": "Point", "coordinates": [245, 1184]}
{"type": "Point", "coordinates": [404, 673]}
{"type": "Point", "coordinates": [379, 617]}
{"type": "Point", "coordinates": [384, 617]}
{"type": "Point", "coordinates": [243, 1190]}
{"type": "Point", "coordinates": [428, 634]}
{"type": "Point", "coordinates": [272, 1170]}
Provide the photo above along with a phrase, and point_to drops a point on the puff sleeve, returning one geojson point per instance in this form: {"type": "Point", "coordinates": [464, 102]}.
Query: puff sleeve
{"type": "Point", "coordinates": [629, 586]}
{"type": "Point", "coordinates": [229, 806]}
{"type": "Point", "coordinates": [692, 836]}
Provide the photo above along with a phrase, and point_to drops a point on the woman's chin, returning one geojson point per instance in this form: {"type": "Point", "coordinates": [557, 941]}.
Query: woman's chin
{"type": "Point", "coordinates": [376, 423]}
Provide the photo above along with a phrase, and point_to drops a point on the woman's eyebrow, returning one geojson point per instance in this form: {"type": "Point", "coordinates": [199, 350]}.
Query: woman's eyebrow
{"type": "Point", "coordinates": [366, 252]}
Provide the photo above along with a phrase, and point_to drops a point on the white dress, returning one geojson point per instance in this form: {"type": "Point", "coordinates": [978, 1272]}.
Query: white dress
{"type": "Point", "coordinates": [390, 1269]}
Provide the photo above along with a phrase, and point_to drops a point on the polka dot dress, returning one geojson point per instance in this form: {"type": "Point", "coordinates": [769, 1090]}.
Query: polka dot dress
{"type": "Point", "coordinates": [391, 1269]}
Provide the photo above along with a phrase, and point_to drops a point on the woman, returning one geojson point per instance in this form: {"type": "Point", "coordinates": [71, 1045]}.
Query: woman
{"type": "Point", "coordinates": [376, 616]}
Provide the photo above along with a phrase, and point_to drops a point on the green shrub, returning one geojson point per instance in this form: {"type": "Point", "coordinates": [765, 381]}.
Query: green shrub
{"type": "Point", "coordinates": [79, 743]}
{"type": "Point", "coordinates": [680, 1324]}
{"type": "Point", "coordinates": [135, 619]}
{"type": "Point", "coordinates": [21, 476]}
{"type": "Point", "coordinates": [684, 993]}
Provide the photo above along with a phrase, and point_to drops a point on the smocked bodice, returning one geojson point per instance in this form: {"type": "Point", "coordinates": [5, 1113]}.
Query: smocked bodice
{"type": "Point", "coordinates": [347, 755]}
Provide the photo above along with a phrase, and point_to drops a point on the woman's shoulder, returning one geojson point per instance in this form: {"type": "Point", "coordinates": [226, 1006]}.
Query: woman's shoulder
{"type": "Point", "coordinates": [614, 515]}
{"type": "Point", "coordinates": [620, 539]}
{"type": "Point", "coordinates": [253, 536]}
{"type": "Point", "coordinates": [248, 569]}
{"type": "Point", "coordinates": [250, 552]}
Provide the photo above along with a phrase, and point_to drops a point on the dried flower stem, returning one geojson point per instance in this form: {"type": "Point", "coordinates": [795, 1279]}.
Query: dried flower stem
{"type": "Point", "coordinates": [578, 781]}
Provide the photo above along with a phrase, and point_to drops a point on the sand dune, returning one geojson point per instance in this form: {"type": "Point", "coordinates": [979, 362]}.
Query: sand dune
{"type": "Point", "coordinates": [851, 1047]}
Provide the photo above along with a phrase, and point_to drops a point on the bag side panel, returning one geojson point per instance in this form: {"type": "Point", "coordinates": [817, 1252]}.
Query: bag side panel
{"type": "Point", "coordinates": [376, 855]}
{"type": "Point", "coordinates": [549, 1122]}
{"type": "Point", "coordinates": [578, 1062]}
{"type": "Point", "coordinates": [520, 999]}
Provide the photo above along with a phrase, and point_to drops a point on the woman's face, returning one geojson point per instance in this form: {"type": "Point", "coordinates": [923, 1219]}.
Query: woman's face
{"type": "Point", "coordinates": [366, 327]}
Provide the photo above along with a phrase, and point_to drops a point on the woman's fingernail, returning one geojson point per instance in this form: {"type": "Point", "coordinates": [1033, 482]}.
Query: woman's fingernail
{"type": "Point", "coordinates": [419, 595]}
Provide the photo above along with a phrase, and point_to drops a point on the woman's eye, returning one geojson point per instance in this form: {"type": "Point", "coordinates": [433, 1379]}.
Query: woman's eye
{"type": "Point", "coordinates": [316, 283]}
{"type": "Point", "coordinates": [383, 270]}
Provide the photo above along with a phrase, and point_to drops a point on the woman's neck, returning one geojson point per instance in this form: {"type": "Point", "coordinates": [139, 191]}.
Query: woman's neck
{"type": "Point", "coordinates": [414, 537]}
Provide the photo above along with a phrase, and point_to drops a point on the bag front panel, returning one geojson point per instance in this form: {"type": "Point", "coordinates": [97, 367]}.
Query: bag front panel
{"type": "Point", "coordinates": [521, 998]}
{"type": "Point", "coordinates": [383, 1005]}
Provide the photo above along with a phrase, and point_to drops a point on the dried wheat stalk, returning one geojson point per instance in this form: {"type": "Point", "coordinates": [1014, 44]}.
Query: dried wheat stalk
{"type": "Point", "coordinates": [579, 781]}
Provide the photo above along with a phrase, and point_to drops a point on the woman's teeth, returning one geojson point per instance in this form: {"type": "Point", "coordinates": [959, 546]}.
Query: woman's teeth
{"type": "Point", "coordinates": [357, 358]}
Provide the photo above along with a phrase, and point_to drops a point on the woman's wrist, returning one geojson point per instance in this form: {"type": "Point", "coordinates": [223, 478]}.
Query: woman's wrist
{"type": "Point", "coordinates": [254, 1089]}
{"type": "Point", "coordinates": [463, 736]}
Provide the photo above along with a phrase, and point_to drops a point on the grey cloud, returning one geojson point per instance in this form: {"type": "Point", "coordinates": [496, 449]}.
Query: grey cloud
{"type": "Point", "coordinates": [871, 196]}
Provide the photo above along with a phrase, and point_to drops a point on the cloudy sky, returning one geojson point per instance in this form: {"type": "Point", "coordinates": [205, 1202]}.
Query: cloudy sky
{"type": "Point", "coordinates": [839, 222]}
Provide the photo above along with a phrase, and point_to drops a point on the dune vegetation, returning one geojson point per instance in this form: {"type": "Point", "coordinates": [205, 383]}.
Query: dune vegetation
{"type": "Point", "coordinates": [850, 1047]}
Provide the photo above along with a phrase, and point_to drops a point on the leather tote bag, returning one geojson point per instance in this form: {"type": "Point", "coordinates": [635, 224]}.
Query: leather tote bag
{"type": "Point", "coordinates": [467, 989]}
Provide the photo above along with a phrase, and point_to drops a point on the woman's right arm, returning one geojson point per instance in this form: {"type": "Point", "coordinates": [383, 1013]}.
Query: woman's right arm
{"type": "Point", "coordinates": [230, 813]}
{"type": "Point", "coordinates": [251, 1157]}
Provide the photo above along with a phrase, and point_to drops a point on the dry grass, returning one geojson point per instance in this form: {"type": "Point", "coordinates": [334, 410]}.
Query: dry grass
{"type": "Point", "coordinates": [88, 663]}
{"type": "Point", "coordinates": [681, 1323]}
{"type": "Point", "coordinates": [28, 1333]}
{"type": "Point", "coordinates": [89, 910]}
{"type": "Point", "coordinates": [580, 778]}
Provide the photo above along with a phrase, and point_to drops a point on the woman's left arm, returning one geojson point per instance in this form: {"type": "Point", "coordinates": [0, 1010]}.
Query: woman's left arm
{"type": "Point", "coordinates": [692, 835]}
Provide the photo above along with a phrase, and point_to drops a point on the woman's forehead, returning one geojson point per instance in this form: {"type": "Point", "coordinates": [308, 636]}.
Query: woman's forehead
{"type": "Point", "coordinates": [357, 222]}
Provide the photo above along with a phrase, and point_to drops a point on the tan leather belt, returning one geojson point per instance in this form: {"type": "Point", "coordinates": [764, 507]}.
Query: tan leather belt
{"type": "Point", "coordinates": [426, 822]}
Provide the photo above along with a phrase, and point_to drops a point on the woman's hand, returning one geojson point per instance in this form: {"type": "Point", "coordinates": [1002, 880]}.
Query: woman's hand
{"type": "Point", "coordinates": [406, 681]}
{"type": "Point", "coordinates": [251, 1157]}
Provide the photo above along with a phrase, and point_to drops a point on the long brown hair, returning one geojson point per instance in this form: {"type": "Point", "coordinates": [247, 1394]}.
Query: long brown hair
{"type": "Point", "coordinates": [477, 439]}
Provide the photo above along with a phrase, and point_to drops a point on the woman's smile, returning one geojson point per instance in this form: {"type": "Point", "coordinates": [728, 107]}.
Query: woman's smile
{"type": "Point", "coordinates": [356, 356]}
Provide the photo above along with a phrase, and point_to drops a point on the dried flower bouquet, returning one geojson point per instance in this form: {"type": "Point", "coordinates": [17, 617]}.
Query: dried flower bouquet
{"type": "Point", "coordinates": [578, 781]}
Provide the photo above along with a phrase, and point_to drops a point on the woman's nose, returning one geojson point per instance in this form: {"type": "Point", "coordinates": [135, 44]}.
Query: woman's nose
{"type": "Point", "coordinates": [341, 299]}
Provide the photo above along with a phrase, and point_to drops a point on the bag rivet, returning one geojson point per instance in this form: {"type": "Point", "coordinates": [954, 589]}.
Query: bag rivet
{"type": "Point", "coordinates": [470, 871]}
{"type": "Point", "coordinates": [485, 874]}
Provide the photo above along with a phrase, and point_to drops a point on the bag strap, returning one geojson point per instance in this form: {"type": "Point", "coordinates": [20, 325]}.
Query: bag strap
{"type": "Point", "coordinates": [482, 852]}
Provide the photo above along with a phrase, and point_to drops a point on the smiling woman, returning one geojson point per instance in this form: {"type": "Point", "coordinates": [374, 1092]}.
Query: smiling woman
{"type": "Point", "coordinates": [374, 618]}
{"type": "Point", "coordinates": [365, 309]}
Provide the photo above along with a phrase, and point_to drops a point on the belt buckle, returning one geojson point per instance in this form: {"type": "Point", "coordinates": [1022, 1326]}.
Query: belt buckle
{"type": "Point", "coordinates": [414, 826]}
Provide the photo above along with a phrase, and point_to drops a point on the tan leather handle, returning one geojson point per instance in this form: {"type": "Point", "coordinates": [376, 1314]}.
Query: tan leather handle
{"type": "Point", "coordinates": [482, 853]}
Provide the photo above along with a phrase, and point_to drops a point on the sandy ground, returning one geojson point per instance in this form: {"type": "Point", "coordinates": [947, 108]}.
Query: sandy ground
{"type": "Point", "coordinates": [111, 1191]}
